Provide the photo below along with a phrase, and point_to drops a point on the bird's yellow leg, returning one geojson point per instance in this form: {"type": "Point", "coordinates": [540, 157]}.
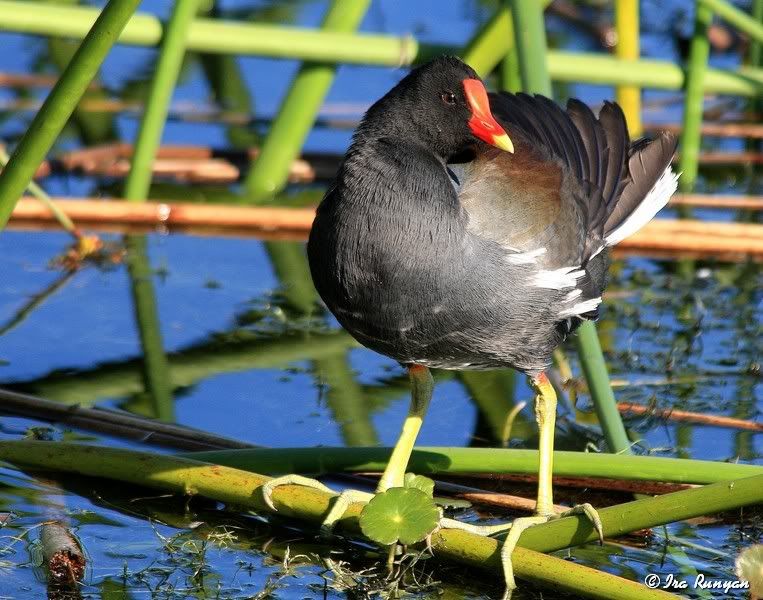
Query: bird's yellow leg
{"type": "Point", "coordinates": [545, 415]}
{"type": "Point", "coordinates": [422, 385]}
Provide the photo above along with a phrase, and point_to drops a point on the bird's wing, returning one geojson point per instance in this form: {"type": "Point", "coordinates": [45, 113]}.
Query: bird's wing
{"type": "Point", "coordinates": [574, 185]}
{"type": "Point", "coordinates": [574, 167]}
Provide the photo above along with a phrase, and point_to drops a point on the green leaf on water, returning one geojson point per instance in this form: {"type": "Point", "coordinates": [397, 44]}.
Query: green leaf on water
{"type": "Point", "coordinates": [405, 515]}
{"type": "Point", "coordinates": [419, 482]}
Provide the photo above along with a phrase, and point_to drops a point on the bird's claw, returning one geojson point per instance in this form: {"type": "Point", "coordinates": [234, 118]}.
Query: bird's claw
{"type": "Point", "coordinates": [339, 506]}
{"type": "Point", "coordinates": [590, 512]}
{"type": "Point", "coordinates": [272, 484]}
{"type": "Point", "coordinates": [516, 528]}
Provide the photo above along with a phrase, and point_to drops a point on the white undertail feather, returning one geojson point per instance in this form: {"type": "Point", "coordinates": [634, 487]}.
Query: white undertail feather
{"type": "Point", "coordinates": [657, 197]}
{"type": "Point", "coordinates": [558, 279]}
{"type": "Point", "coordinates": [581, 308]}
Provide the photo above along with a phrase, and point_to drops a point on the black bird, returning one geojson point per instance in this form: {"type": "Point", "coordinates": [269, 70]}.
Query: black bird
{"type": "Point", "coordinates": [468, 230]}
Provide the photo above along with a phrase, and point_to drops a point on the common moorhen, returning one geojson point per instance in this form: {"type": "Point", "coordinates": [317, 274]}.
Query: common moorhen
{"type": "Point", "coordinates": [491, 262]}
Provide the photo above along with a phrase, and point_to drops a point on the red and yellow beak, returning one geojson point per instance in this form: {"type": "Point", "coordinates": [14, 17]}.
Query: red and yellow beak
{"type": "Point", "coordinates": [483, 124]}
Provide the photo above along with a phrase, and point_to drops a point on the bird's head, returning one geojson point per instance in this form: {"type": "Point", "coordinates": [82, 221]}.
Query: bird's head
{"type": "Point", "coordinates": [444, 105]}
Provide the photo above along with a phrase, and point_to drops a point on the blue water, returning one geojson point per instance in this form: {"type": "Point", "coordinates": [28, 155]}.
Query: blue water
{"type": "Point", "coordinates": [81, 345]}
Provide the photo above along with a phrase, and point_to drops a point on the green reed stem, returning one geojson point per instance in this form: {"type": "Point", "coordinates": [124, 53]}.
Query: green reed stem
{"type": "Point", "coordinates": [597, 378]}
{"type": "Point", "coordinates": [274, 41]}
{"type": "Point", "coordinates": [755, 53]}
{"type": "Point", "coordinates": [699, 53]}
{"type": "Point", "coordinates": [511, 79]}
{"type": "Point", "coordinates": [159, 97]}
{"type": "Point", "coordinates": [297, 113]}
{"type": "Point", "coordinates": [628, 47]}
{"type": "Point", "coordinates": [240, 488]}
{"type": "Point", "coordinates": [444, 461]}
{"type": "Point", "coordinates": [39, 193]}
{"type": "Point", "coordinates": [60, 103]}
{"type": "Point", "coordinates": [732, 15]}
{"type": "Point", "coordinates": [530, 38]}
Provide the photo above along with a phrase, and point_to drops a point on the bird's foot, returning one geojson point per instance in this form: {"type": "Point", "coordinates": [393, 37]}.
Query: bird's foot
{"type": "Point", "coordinates": [339, 506]}
{"type": "Point", "coordinates": [515, 530]}
{"type": "Point", "coordinates": [519, 526]}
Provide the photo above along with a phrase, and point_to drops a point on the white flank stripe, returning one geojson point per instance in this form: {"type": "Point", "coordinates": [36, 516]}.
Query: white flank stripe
{"type": "Point", "coordinates": [581, 308]}
{"type": "Point", "coordinates": [559, 279]}
{"type": "Point", "coordinates": [525, 258]}
{"type": "Point", "coordinates": [657, 197]}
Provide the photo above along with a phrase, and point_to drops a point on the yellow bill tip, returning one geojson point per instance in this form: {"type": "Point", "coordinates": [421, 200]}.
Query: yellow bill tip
{"type": "Point", "coordinates": [503, 142]}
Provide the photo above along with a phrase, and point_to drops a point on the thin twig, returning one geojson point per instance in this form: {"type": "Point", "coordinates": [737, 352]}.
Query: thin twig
{"type": "Point", "coordinates": [686, 416]}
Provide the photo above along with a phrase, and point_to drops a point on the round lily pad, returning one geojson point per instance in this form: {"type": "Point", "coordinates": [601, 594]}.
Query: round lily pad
{"type": "Point", "coordinates": [405, 515]}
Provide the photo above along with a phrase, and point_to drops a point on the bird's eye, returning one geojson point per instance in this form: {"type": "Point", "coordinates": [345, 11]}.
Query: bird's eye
{"type": "Point", "coordinates": [448, 98]}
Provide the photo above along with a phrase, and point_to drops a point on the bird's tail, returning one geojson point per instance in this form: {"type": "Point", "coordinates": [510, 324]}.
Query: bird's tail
{"type": "Point", "coordinates": [647, 187]}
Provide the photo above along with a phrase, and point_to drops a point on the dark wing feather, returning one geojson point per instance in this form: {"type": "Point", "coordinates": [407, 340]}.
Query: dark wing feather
{"type": "Point", "coordinates": [612, 121]}
{"type": "Point", "coordinates": [593, 138]}
{"type": "Point", "coordinates": [647, 160]}
{"type": "Point", "coordinates": [614, 176]}
{"type": "Point", "coordinates": [594, 150]}
{"type": "Point", "coordinates": [509, 108]}
{"type": "Point", "coordinates": [573, 142]}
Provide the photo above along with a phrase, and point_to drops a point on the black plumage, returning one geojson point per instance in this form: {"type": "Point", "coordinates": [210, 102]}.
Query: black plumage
{"type": "Point", "coordinates": [492, 267]}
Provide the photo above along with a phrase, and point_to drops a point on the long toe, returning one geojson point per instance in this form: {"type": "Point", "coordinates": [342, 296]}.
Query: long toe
{"type": "Point", "coordinates": [339, 507]}
{"type": "Point", "coordinates": [272, 484]}
{"type": "Point", "coordinates": [518, 526]}
{"type": "Point", "coordinates": [593, 515]}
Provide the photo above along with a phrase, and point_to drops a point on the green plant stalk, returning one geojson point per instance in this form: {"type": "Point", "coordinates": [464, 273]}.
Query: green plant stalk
{"type": "Point", "coordinates": [511, 81]}
{"type": "Point", "coordinates": [39, 193]}
{"type": "Point", "coordinates": [227, 37]}
{"type": "Point", "coordinates": [93, 128]}
{"type": "Point", "coordinates": [298, 110]}
{"type": "Point", "coordinates": [489, 45]}
{"type": "Point", "coordinates": [530, 36]}
{"type": "Point", "coordinates": [60, 103]}
{"type": "Point", "coordinates": [732, 15]}
{"type": "Point", "coordinates": [155, 365]}
{"type": "Point", "coordinates": [755, 53]}
{"type": "Point", "coordinates": [699, 53]}
{"type": "Point", "coordinates": [451, 461]}
{"type": "Point", "coordinates": [602, 69]}
{"type": "Point", "coordinates": [597, 379]}
{"type": "Point", "coordinates": [225, 79]}
{"type": "Point", "coordinates": [493, 44]}
{"type": "Point", "coordinates": [159, 97]}
{"type": "Point", "coordinates": [493, 392]}
{"type": "Point", "coordinates": [241, 488]}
